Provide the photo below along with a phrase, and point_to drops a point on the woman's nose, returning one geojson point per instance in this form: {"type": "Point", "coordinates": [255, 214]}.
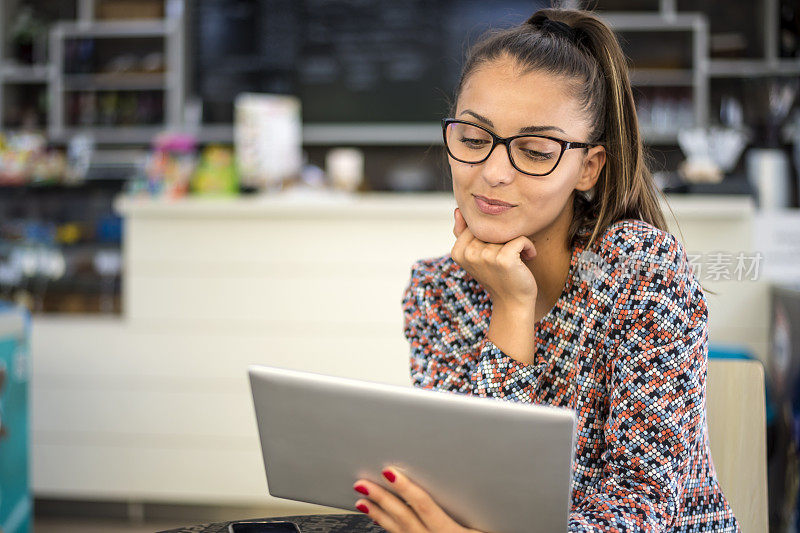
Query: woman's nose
{"type": "Point", "coordinates": [497, 168]}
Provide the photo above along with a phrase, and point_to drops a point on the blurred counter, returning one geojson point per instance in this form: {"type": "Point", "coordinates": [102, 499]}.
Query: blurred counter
{"type": "Point", "coordinates": [176, 253]}
{"type": "Point", "coordinates": [380, 204]}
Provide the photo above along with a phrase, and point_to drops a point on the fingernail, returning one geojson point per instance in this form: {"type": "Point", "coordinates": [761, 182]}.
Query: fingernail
{"type": "Point", "coordinates": [362, 489]}
{"type": "Point", "coordinates": [363, 508]}
{"type": "Point", "coordinates": [389, 475]}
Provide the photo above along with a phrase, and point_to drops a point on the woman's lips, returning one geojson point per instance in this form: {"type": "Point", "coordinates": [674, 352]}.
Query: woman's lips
{"type": "Point", "coordinates": [490, 209]}
{"type": "Point", "coordinates": [493, 201]}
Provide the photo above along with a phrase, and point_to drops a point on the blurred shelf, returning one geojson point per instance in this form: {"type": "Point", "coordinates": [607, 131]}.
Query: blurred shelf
{"type": "Point", "coordinates": [25, 73]}
{"type": "Point", "coordinates": [340, 134]}
{"type": "Point", "coordinates": [662, 77]}
{"type": "Point", "coordinates": [376, 134]}
{"type": "Point", "coordinates": [113, 29]}
{"type": "Point", "coordinates": [388, 134]}
{"type": "Point", "coordinates": [168, 84]}
{"type": "Point", "coordinates": [215, 133]}
{"type": "Point", "coordinates": [72, 248]}
{"type": "Point", "coordinates": [633, 21]}
{"type": "Point", "coordinates": [114, 82]}
{"type": "Point", "coordinates": [747, 68]}
{"type": "Point", "coordinates": [43, 188]}
{"type": "Point", "coordinates": [110, 134]}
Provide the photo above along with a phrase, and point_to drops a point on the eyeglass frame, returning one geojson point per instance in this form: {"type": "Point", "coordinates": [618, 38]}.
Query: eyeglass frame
{"type": "Point", "coordinates": [496, 139]}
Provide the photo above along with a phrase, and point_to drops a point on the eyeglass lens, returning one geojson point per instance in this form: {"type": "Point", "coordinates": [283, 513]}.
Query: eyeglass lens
{"type": "Point", "coordinates": [536, 155]}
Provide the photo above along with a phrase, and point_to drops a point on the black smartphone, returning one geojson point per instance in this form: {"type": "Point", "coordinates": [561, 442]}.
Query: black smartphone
{"type": "Point", "coordinates": [263, 527]}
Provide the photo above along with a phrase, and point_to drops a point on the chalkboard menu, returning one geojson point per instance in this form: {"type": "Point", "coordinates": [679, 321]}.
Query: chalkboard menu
{"type": "Point", "coordinates": [348, 60]}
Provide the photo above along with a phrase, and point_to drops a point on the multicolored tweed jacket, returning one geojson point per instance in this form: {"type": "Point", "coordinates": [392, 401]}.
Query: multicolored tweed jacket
{"type": "Point", "coordinates": [625, 346]}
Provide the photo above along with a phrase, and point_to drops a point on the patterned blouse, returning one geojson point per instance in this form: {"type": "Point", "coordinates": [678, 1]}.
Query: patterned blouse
{"type": "Point", "coordinates": [625, 346]}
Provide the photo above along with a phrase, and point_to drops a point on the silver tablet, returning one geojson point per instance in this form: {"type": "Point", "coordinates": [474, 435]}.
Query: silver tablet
{"type": "Point", "coordinates": [492, 465]}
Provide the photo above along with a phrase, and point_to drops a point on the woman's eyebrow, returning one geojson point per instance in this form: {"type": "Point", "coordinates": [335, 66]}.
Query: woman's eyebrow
{"type": "Point", "coordinates": [526, 129]}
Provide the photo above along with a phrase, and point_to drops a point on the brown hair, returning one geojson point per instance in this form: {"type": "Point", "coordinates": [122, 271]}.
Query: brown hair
{"type": "Point", "coordinates": [581, 47]}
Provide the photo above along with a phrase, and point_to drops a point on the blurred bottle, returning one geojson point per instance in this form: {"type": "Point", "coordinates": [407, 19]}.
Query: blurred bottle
{"type": "Point", "coordinates": [731, 113]}
{"type": "Point", "coordinates": [345, 168]}
{"type": "Point", "coordinates": [789, 40]}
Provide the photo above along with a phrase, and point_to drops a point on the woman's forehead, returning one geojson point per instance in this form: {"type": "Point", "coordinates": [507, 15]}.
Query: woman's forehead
{"type": "Point", "coordinates": [512, 99]}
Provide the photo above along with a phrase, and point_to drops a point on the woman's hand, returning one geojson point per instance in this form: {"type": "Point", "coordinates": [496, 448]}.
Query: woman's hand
{"type": "Point", "coordinates": [412, 510]}
{"type": "Point", "coordinates": [497, 267]}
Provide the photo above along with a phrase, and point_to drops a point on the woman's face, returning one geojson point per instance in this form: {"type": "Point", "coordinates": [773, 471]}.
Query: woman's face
{"type": "Point", "coordinates": [497, 97]}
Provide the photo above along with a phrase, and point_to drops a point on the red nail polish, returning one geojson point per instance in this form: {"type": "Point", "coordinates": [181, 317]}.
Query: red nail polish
{"type": "Point", "coordinates": [362, 489]}
{"type": "Point", "coordinates": [363, 508]}
{"type": "Point", "coordinates": [389, 475]}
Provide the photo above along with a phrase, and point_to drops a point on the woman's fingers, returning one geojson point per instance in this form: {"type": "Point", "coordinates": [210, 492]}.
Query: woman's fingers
{"type": "Point", "coordinates": [426, 510]}
{"type": "Point", "coordinates": [463, 239]}
{"type": "Point", "coordinates": [519, 248]}
{"type": "Point", "coordinates": [410, 510]}
{"type": "Point", "coordinates": [477, 252]}
{"type": "Point", "coordinates": [390, 511]}
{"type": "Point", "coordinates": [378, 515]}
{"type": "Point", "coordinates": [460, 224]}
{"type": "Point", "coordinates": [499, 268]}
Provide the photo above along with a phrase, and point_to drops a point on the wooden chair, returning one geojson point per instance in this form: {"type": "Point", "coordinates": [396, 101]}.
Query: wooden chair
{"type": "Point", "coordinates": [737, 434]}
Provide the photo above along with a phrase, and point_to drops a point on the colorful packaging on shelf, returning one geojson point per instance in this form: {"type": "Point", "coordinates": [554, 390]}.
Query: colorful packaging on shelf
{"type": "Point", "coordinates": [171, 165]}
{"type": "Point", "coordinates": [216, 174]}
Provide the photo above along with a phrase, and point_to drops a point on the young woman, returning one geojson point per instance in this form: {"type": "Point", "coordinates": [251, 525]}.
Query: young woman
{"type": "Point", "coordinates": [563, 286]}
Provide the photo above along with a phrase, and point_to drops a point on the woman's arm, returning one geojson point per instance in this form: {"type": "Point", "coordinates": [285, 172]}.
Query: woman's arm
{"type": "Point", "coordinates": [513, 331]}
{"type": "Point", "coordinates": [656, 363]}
{"type": "Point", "coordinates": [448, 351]}
{"type": "Point", "coordinates": [652, 430]}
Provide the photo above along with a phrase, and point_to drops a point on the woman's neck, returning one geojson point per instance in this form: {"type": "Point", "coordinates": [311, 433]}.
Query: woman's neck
{"type": "Point", "coordinates": [551, 265]}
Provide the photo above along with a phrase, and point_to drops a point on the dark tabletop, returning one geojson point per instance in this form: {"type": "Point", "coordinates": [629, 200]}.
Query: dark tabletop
{"type": "Point", "coordinates": [316, 523]}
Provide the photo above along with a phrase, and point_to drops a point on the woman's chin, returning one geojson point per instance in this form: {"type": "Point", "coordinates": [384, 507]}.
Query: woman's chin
{"type": "Point", "coordinates": [493, 235]}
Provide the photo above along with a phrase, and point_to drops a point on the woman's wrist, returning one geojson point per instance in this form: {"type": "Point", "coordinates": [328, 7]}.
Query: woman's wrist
{"type": "Point", "coordinates": [513, 330]}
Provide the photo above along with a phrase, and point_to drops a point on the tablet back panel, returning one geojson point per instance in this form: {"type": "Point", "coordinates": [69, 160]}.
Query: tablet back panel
{"type": "Point", "coordinates": [493, 465]}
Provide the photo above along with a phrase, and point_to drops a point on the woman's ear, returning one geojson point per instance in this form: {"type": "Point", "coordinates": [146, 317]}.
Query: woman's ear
{"type": "Point", "coordinates": [593, 163]}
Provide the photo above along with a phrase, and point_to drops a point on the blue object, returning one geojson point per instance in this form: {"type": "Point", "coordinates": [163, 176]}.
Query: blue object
{"type": "Point", "coordinates": [109, 229]}
{"type": "Point", "coordinates": [727, 351]}
{"type": "Point", "coordinates": [15, 495]}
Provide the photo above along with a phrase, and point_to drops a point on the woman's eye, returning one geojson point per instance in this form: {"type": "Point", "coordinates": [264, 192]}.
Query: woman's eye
{"type": "Point", "coordinates": [473, 143]}
{"type": "Point", "coordinates": [538, 156]}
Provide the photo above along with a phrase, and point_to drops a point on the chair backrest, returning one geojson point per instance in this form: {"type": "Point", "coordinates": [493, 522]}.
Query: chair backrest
{"type": "Point", "coordinates": [737, 434]}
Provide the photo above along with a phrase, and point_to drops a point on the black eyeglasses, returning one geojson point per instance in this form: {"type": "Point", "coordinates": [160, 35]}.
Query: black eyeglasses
{"type": "Point", "coordinates": [535, 155]}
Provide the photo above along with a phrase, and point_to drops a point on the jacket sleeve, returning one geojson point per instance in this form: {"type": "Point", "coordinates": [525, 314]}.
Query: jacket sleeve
{"type": "Point", "coordinates": [656, 353]}
{"type": "Point", "coordinates": [448, 352]}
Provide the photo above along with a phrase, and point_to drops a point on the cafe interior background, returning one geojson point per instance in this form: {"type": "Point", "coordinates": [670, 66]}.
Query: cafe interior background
{"type": "Point", "coordinates": [190, 187]}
